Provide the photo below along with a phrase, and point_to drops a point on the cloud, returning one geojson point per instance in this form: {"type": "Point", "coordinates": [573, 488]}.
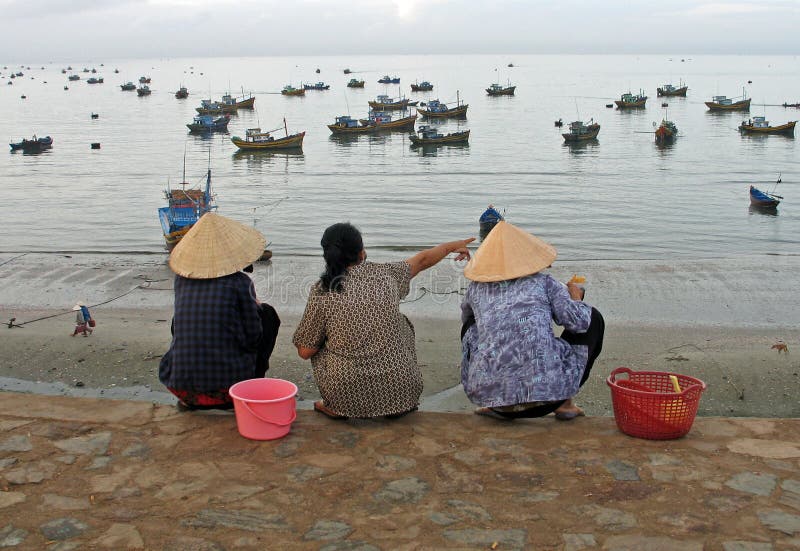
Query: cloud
{"type": "Point", "coordinates": [726, 9]}
{"type": "Point", "coordinates": [48, 8]}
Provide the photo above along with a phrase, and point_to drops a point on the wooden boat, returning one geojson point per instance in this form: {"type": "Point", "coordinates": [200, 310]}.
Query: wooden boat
{"type": "Point", "coordinates": [423, 86]}
{"type": "Point", "coordinates": [182, 93]}
{"type": "Point", "coordinates": [385, 103]}
{"type": "Point", "coordinates": [498, 89]}
{"type": "Point", "coordinates": [290, 90]}
{"type": "Point", "coordinates": [241, 102]}
{"type": "Point", "coordinates": [431, 136]}
{"type": "Point", "coordinates": [184, 208]}
{"type": "Point", "coordinates": [723, 103]}
{"type": "Point", "coordinates": [579, 132]}
{"type": "Point", "coordinates": [792, 105]}
{"type": "Point", "coordinates": [764, 199]}
{"type": "Point", "coordinates": [70, 77]}
{"type": "Point", "coordinates": [383, 121]}
{"type": "Point", "coordinates": [128, 87]}
{"type": "Point", "coordinates": [317, 86]}
{"type": "Point", "coordinates": [208, 123]}
{"type": "Point", "coordinates": [143, 90]}
{"type": "Point", "coordinates": [437, 110]}
{"type": "Point", "coordinates": [670, 90]}
{"type": "Point", "coordinates": [94, 80]}
{"type": "Point", "coordinates": [34, 145]}
{"type": "Point", "coordinates": [631, 101]}
{"type": "Point", "coordinates": [144, 80]}
{"type": "Point", "coordinates": [255, 139]}
{"type": "Point", "coordinates": [355, 83]}
{"type": "Point", "coordinates": [666, 132]}
{"type": "Point", "coordinates": [759, 125]}
{"type": "Point", "coordinates": [348, 125]}
{"type": "Point", "coordinates": [488, 221]}
{"type": "Point", "coordinates": [347, 71]}
{"type": "Point", "coordinates": [386, 79]}
{"type": "Point", "coordinates": [210, 107]}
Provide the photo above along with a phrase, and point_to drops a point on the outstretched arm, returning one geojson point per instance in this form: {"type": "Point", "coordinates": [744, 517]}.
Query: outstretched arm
{"type": "Point", "coordinates": [430, 257]}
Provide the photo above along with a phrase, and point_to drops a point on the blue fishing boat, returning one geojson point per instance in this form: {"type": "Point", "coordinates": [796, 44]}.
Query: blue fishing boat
{"type": "Point", "coordinates": [208, 123]}
{"type": "Point", "coordinates": [34, 145]}
{"type": "Point", "coordinates": [386, 79]}
{"type": "Point", "coordinates": [184, 208]}
{"type": "Point", "coordinates": [317, 86]}
{"type": "Point", "coordinates": [488, 220]}
{"type": "Point", "coordinates": [764, 199]}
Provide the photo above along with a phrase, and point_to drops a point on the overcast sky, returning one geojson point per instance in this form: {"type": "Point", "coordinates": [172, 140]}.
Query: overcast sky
{"type": "Point", "coordinates": [59, 30]}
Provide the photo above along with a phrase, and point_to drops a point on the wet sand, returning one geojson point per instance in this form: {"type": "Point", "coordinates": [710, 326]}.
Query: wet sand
{"type": "Point", "coordinates": [713, 319]}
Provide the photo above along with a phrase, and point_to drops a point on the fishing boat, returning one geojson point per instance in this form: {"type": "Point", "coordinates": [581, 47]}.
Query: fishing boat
{"type": "Point", "coordinates": [347, 71]}
{"type": "Point", "coordinates": [355, 83]}
{"type": "Point", "coordinates": [346, 124]}
{"type": "Point", "coordinates": [671, 90]}
{"type": "Point", "coordinates": [182, 93]}
{"type": "Point", "coordinates": [488, 221]}
{"type": "Point", "coordinates": [759, 125]}
{"type": "Point", "coordinates": [143, 90]}
{"type": "Point", "coordinates": [213, 107]}
{"type": "Point", "coordinates": [579, 132]}
{"type": "Point", "coordinates": [209, 123]}
{"type": "Point", "coordinates": [792, 105]}
{"type": "Point", "coordinates": [317, 86]}
{"type": "Point", "coordinates": [386, 79]}
{"type": "Point", "coordinates": [631, 101]}
{"type": "Point", "coordinates": [666, 132]}
{"type": "Point", "coordinates": [383, 121]}
{"type": "Point", "coordinates": [423, 86]}
{"type": "Point", "coordinates": [241, 102]}
{"type": "Point", "coordinates": [184, 208]}
{"type": "Point", "coordinates": [255, 139]}
{"type": "Point", "coordinates": [439, 110]}
{"type": "Point", "coordinates": [290, 90]}
{"type": "Point", "coordinates": [724, 103]}
{"type": "Point", "coordinates": [428, 135]}
{"type": "Point", "coordinates": [144, 80]}
{"type": "Point", "coordinates": [498, 89]}
{"type": "Point", "coordinates": [34, 145]}
{"type": "Point", "coordinates": [73, 77]}
{"type": "Point", "coordinates": [128, 86]}
{"type": "Point", "coordinates": [764, 199]}
{"type": "Point", "coordinates": [94, 80]}
{"type": "Point", "coordinates": [385, 103]}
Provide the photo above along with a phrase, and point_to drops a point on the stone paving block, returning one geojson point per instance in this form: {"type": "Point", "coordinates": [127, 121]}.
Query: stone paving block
{"type": "Point", "coordinates": [254, 521]}
{"type": "Point", "coordinates": [506, 539]}
{"type": "Point", "coordinates": [761, 484]}
{"type": "Point", "coordinates": [328, 530]}
{"type": "Point", "coordinates": [120, 536]}
{"type": "Point", "coordinates": [63, 528]}
{"type": "Point", "coordinates": [7, 499]}
{"type": "Point", "coordinates": [93, 444]}
{"type": "Point", "coordinates": [576, 542]}
{"type": "Point", "coordinates": [649, 543]}
{"type": "Point", "coordinates": [404, 490]}
{"type": "Point", "coordinates": [16, 443]}
{"type": "Point", "coordinates": [780, 521]}
{"type": "Point", "coordinates": [11, 536]}
{"type": "Point", "coordinates": [746, 546]}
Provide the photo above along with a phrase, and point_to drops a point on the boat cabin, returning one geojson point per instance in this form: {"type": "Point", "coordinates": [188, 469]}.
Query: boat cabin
{"type": "Point", "coordinates": [722, 100]}
{"type": "Point", "coordinates": [758, 122]}
{"type": "Point", "coordinates": [347, 121]}
{"type": "Point", "coordinates": [255, 135]}
{"type": "Point", "coordinates": [428, 132]}
{"type": "Point", "coordinates": [380, 117]}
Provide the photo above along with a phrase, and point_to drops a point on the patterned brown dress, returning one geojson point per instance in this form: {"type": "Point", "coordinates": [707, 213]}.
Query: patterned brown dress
{"type": "Point", "coordinates": [367, 362]}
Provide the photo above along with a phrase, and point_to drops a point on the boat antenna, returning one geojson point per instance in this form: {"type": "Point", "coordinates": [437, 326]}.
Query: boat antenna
{"type": "Point", "coordinates": [285, 128]}
{"type": "Point", "coordinates": [347, 103]}
{"type": "Point", "coordinates": [183, 180]}
{"type": "Point", "coordinates": [578, 111]}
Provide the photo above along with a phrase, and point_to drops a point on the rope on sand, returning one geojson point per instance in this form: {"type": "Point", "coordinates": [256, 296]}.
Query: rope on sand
{"type": "Point", "coordinates": [145, 285]}
{"type": "Point", "coordinates": [13, 258]}
{"type": "Point", "coordinates": [426, 291]}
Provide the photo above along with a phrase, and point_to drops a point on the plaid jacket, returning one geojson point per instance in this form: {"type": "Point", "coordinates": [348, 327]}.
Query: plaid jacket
{"type": "Point", "coordinates": [217, 330]}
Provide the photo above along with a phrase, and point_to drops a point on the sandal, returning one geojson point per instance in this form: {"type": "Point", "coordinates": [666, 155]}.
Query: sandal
{"type": "Point", "coordinates": [489, 412]}
{"type": "Point", "coordinates": [569, 415]}
{"type": "Point", "coordinates": [320, 406]}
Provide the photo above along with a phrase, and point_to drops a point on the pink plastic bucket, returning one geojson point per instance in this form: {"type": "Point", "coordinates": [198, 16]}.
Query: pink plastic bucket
{"type": "Point", "coordinates": [265, 408]}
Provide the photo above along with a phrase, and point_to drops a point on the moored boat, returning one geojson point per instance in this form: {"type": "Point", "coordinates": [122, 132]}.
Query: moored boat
{"type": "Point", "coordinates": [184, 208]}
{"type": "Point", "coordinates": [488, 221]}
{"type": "Point", "coordinates": [428, 135]}
{"type": "Point", "coordinates": [317, 86]}
{"type": "Point", "coordinates": [383, 121]}
{"type": "Point", "coordinates": [241, 102]}
{"type": "Point", "coordinates": [290, 90]}
{"type": "Point", "coordinates": [355, 83]}
{"type": "Point", "coordinates": [209, 123]}
{"type": "Point", "coordinates": [631, 101]}
{"type": "Point", "coordinates": [423, 86]}
{"type": "Point", "coordinates": [498, 89]}
{"type": "Point", "coordinates": [143, 90]}
{"type": "Point", "coordinates": [724, 103]}
{"type": "Point", "coordinates": [212, 107]}
{"type": "Point", "coordinates": [346, 124]}
{"type": "Point", "coordinates": [255, 139]}
{"type": "Point", "coordinates": [666, 132]}
{"type": "Point", "coordinates": [182, 93]}
{"type": "Point", "coordinates": [34, 145]}
{"type": "Point", "coordinates": [764, 199]}
{"type": "Point", "coordinates": [128, 86]}
{"type": "Point", "coordinates": [579, 132]}
{"type": "Point", "coordinates": [672, 90]}
{"type": "Point", "coordinates": [759, 125]}
{"type": "Point", "coordinates": [144, 80]}
{"type": "Point", "coordinates": [437, 109]}
{"type": "Point", "coordinates": [73, 77]}
{"type": "Point", "coordinates": [385, 103]}
{"type": "Point", "coordinates": [94, 80]}
{"type": "Point", "coordinates": [386, 79]}
{"type": "Point", "coordinates": [347, 71]}
{"type": "Point", "coordinates": [792, 105]}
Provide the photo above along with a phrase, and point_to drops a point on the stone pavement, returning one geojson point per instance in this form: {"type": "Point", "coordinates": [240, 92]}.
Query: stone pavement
{"type": "Point", "coordinates": [79, 473]}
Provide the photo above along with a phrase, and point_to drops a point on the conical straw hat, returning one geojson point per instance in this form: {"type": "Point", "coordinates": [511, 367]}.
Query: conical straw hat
{"type": "Point", "coordinates": [509, 253]}
{"type": "Point", "coordinates": [216, 246]}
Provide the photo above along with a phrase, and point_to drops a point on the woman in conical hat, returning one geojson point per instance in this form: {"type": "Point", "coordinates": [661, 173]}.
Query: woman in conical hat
{"type": "Point", "coordinates": [512, 364]}
{"type": "Point", "coordinates": [221, 334]}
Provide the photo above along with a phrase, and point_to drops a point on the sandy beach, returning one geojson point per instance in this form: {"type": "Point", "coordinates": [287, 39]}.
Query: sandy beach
{"type": "Point", "coordinates": [715, 319]}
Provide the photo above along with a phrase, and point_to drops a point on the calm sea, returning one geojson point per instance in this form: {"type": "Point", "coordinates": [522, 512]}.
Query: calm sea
{"type": "Point", "coordinates": [621, 197]}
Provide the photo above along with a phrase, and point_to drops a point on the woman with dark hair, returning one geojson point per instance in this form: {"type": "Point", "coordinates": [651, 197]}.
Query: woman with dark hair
{"type": "Point", "coordinates": [361, 347]}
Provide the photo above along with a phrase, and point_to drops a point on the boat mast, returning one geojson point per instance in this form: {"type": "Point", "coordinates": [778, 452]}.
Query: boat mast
{"type": "Point", "coordinates": [285, 128]}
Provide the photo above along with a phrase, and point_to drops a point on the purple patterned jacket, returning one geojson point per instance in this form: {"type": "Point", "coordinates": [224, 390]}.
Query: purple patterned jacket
{"type": "Point", "coordinates": [510, 355]}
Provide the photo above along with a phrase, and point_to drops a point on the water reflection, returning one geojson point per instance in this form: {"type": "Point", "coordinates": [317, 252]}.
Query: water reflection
{"type": "Point", "coordinates": [432, 150]}
{"type": "Point", "coordinates": [582, 147]}
{"type": "Point", "coordinates": [762, 210]}
{"type": "Point", "coordinates": [258, 159]}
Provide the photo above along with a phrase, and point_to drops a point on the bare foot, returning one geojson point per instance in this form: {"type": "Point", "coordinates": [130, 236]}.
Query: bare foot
{"type": "Point", "coordinates": [568, 411]}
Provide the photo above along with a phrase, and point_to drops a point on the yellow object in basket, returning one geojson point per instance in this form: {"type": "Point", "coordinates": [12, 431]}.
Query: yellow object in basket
{"type": "Point", "coordinates": [674, 408]}
{"type": "Point", "coordinates": [675, 383]}
{"type": "Point", "coordinates": [577, 279]}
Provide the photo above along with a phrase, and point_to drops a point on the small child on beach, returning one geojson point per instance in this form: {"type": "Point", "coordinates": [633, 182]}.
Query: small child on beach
{"type": "Point", "coordinates": [83, 320]}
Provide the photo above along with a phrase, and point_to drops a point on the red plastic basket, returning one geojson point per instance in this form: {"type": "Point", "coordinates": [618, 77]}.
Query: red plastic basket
{"type": "Point", "coordinates": [647, 406]}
